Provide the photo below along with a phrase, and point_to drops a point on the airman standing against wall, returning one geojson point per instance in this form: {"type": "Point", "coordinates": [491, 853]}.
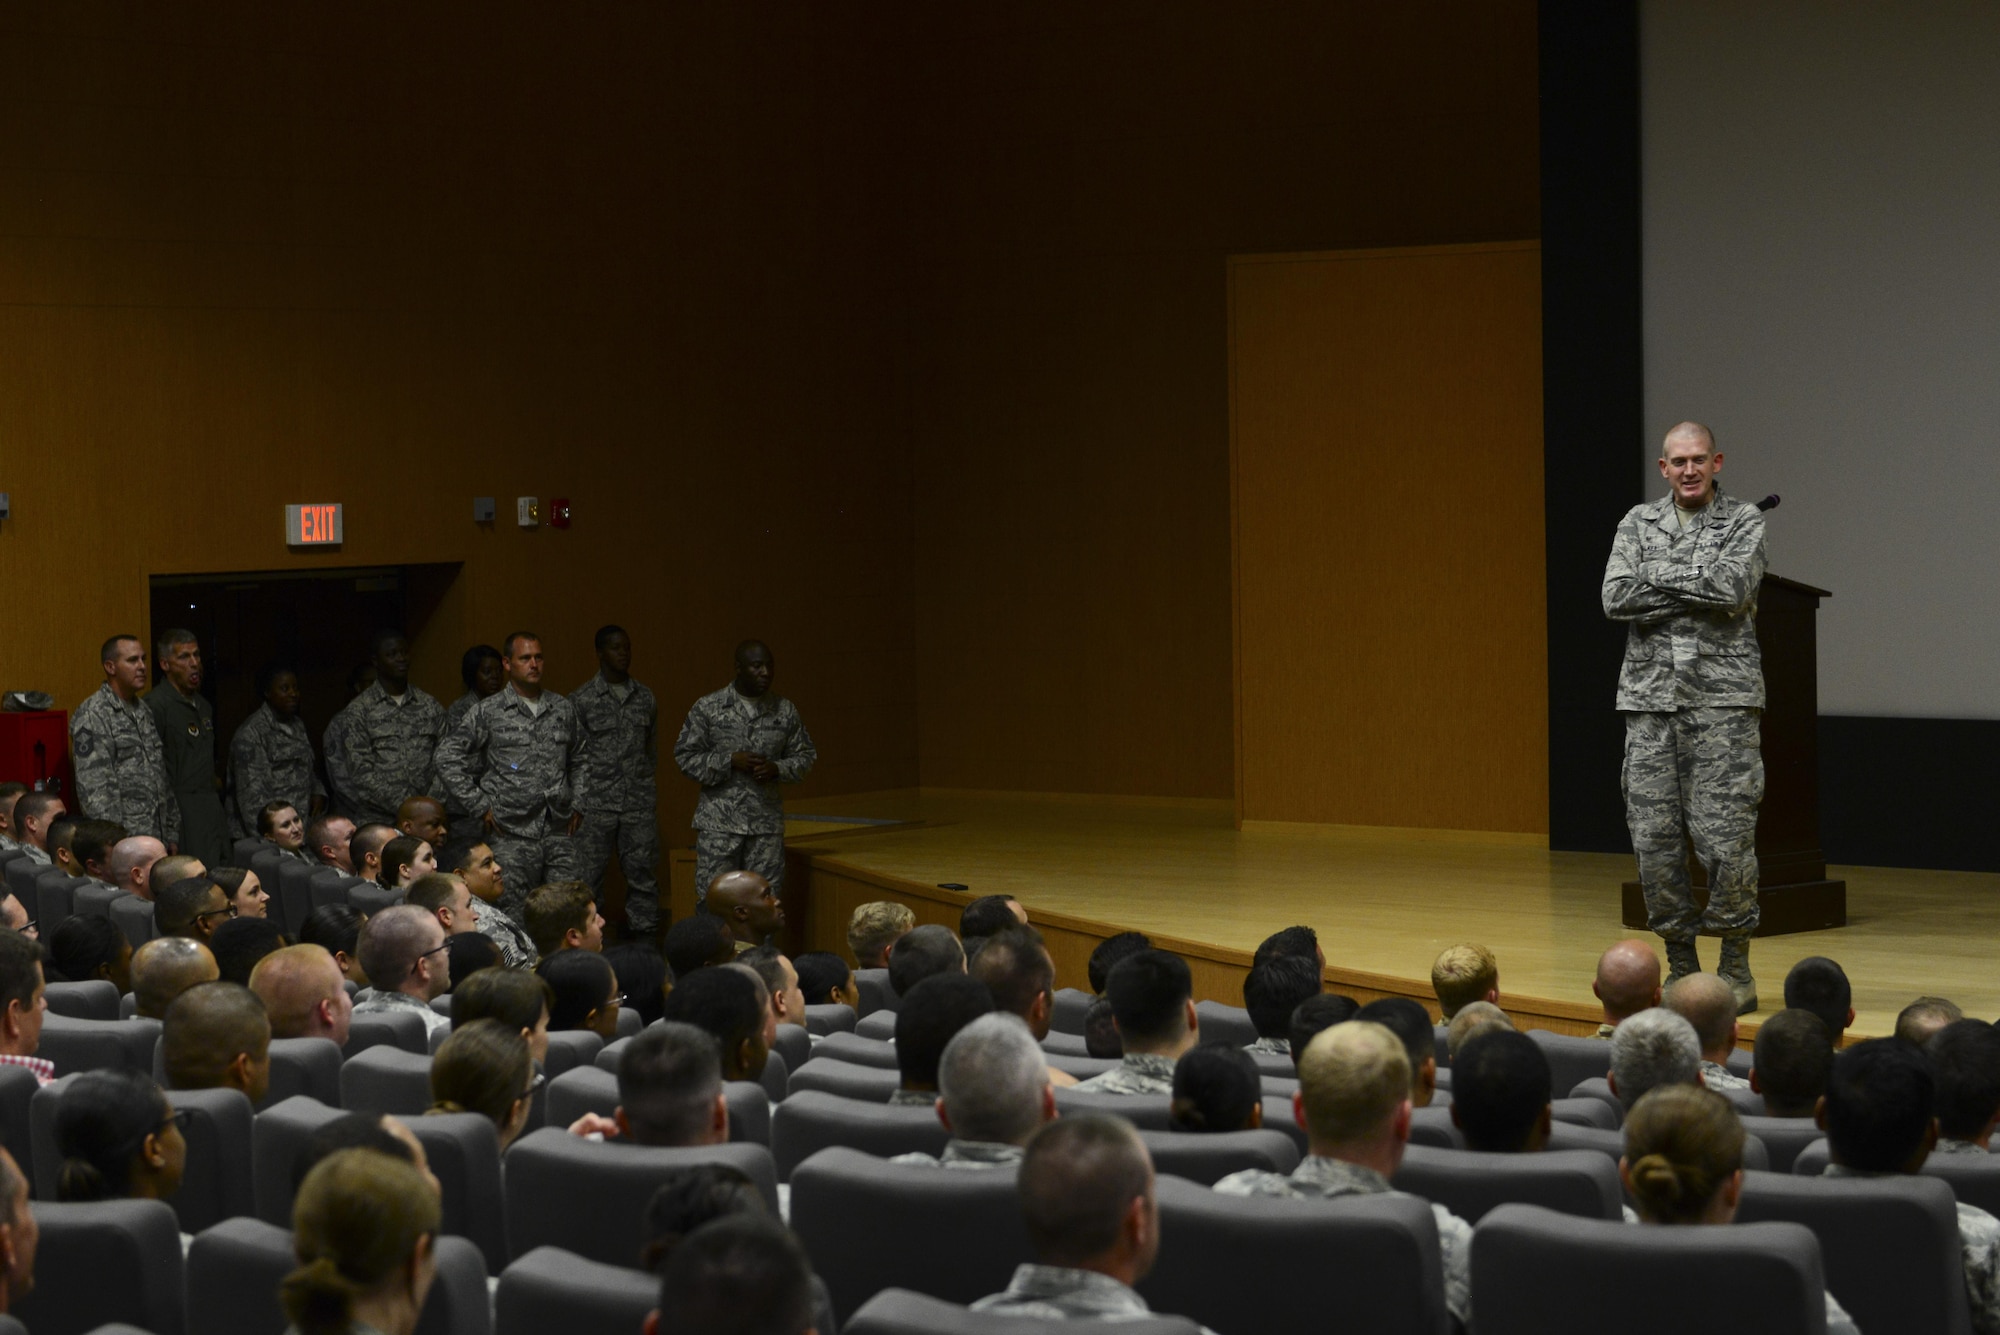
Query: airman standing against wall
{"type": "Point", "coordinates": [120, 772]}
{"type": "Point", "coordinates": [186, 721]}
{"type": "Point", "coordinates": [381, 748]}
{"type": "Point", "coordinates": [617, 784]}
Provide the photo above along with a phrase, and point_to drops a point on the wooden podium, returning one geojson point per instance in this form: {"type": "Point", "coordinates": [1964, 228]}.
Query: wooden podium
{"type": "Point", "coordinates": [1793, 894]}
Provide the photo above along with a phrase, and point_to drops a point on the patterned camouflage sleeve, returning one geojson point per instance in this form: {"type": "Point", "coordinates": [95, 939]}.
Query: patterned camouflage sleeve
{"type": "Point", "coordinates": [96, 774]}
{"type": "Point", "coordinates": [453, 759]}
{"type": "Point", "coordinates": [694, 755]}
{"type": "Point", "coordinates": [339, 764]}
{"type": "Point", "coordinates": [432, 780]}
{"type": "Point", "coordinates": [170, 818]}
{"type": "Point", "coordinates": [1979, 1240]}
{"type": "Point", "coordinates": [562, 794]}
{"type": "Point", "coordinates": [1628, 596]}
{"type": "Point", "coordinates": [797, 762]}
{"type": "Point", "coordinates": [1728, 581]}
{"type": "Point", "coordinates": [650, 744]}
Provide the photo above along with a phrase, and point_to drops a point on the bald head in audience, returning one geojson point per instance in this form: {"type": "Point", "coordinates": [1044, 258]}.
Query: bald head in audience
{"type": "Point", "coordinates": [747, 906]}
{"type": "Point", "coordinates": [1628, 980]}
{"type": "Point", "coordinates": [1705, 1002]}
{"type": "Point", "coordinates": [217, 1036]}
{"type": "Point", "coordinates": [1923, 1018]}
{"type": "Point", "coordinates": [303, 993]}
{"type": "Point", "coordinates": [167, 966]}
{"type": "Point", "coordinates": [130, 866]}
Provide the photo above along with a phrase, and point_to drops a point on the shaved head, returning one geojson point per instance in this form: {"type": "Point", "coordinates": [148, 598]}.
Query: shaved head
{"type": "Point", "coordinates": [132, 860]}
{"type": "Point", "coordinates": [1705, 1001]}
{"type": "Point", "coordinates": [167, 966]}
{"type": "Point", "coordinates": [1691, 431]}
{"type": "Point", "coordinates": [1628, 979]}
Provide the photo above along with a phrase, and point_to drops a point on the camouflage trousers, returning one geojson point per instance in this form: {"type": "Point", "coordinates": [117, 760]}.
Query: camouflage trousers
{"type": "Point", "coordinates": [635, 837]}
{"type": "Point", "coordinates": [1696, 776]}
{"type": "Point", "coordinates": [718, 851]}
{"type": "Point", "coordinates": [527, 863]}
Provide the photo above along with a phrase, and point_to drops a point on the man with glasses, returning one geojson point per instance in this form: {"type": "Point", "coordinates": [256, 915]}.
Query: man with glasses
{"type": "Point", "coordinates": [22, 1005]}
{"type": "Point", "coordinates": [193, 907]}
{"type": "Point", "coordinates": [402, 951]}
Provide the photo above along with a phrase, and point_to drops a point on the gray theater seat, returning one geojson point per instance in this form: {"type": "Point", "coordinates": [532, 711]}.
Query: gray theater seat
{"type": "Point", "coordinates": [630, 1022]}
{"type": "Point", "coordinates": [854, 1048]}
{"type": "Point", "coordinates": [902, 1312]}
{"type": "Point", "coordinates": [1570, 1136]}
{"type": "Point", "coordinates": [550, 1289]}
{"type": "Point", "coordinates": [589, 1197]}
{"type": "Point", "coordinates": [1279, 1115]}
{"type": "Point", "coordinates": [1572, 1058]}
{"type": "Point", "coordinates": [1974, 1178]}
{"type": "Point", "coordinates": [134, 917]}
{"type": "Point", "coordinates": [218, 1182]}
{"type": "Point", "coordinates": [1586, 1112]}
{"type": "Point", "coordinates": [1599, 1088]}
{"type": "Point", "coordinates": [371, 898]}
{"type": "Point", "coordinates": [1239, 1261]}
{"type": "Point", "coordinates": [1542, 1272]}
{"type": "Point", "coordinates": [870, 1084]}
{"type": "Point", "coordinates": [1783, 1137]}
{"type": "Point", "coordinates": [87, 898]}
{"type": "Point", "coordinates": [609, 1055]}
{"type": "Point", "coordinates": [877, 1025]}
{"type": "Point", "coordinates": [385, 1079]}
{"type": "Point", "coordinates": [811, 1121]}
{"type": "Point", "coordinates": [830, 1017]}
{"type": "Point", "coordinates": [52, 897]}
{"type": "Point", "coordinates": [464, 1153]}
{"type": "Point", "coordinates": [308, 1066]}
{"type": "Point", "coordinates": [1225, 1024]}
{"type": "Point", "coordinates": [1065, 1045]}
{"type": "Point", "coordinates": [776, 1075]}
{"type": "Point", "coordinates": [1148, 1112]}
{"type": "Point", "coordinates": [21, 873]}
{"type": "Point", "coordinates": [1081, 1067]}
{"type": "Point", "coordinates": [1890, 1245]}
{"type": "Point", "coordinates": [18, 1087]}
{"type": "Point", "coordinates": [244, 849]}
{"type": "Point", "coordinates": [795, 1045]}
{"type": "Point", "coordinates": [570, 1049]}
{"type": "Point", "coordinates": [1469, 1182]}
{"type": "Point", "coordinates": [98, 1045]}
{"type": "Point", "coordinates": [92, 999]}
{"type": "Point", "coordinates": [1433, 1126]}
{"type": "Point", "coordinates": [876, 994]}
{"type": "Point", "coordinates": [398, 1028]}
{"type": "Point", "coordinates": [276, 1136]}
{"type": "Point", "coordinates": [1209, 1157]}
{"type": "Point", "coordinates": [293, 893]}
{"type": "Point", "coordinates": [328, 886]}
{"type": "Point", "coordinates": [1274, 1064]}
{"type": "Point", "coordinates": [869, 1225]}
{"type": "Point", "coordinates": [1071, 1006]}
{"type": "Point", "coordinates": [85, 1242]}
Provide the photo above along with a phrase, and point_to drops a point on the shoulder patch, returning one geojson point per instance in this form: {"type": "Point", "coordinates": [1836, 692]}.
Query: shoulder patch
{"type": "Point", "coordinates": [84, 744]}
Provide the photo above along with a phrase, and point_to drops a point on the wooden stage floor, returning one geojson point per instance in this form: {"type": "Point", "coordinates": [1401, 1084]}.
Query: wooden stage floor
{"type": "Point", "coordinates": [1387, 900]}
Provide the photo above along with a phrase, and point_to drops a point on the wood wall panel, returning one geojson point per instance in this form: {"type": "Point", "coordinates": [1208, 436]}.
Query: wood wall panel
{"type": "Point", "coordinates": [1386, 427]}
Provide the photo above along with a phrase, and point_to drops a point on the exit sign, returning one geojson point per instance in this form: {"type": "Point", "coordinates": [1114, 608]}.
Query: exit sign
{"type": "Point", "coordinates": [313, 525]}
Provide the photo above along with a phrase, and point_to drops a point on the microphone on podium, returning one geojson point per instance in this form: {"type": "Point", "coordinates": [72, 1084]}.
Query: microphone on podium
{"type": "Point", "coordinates": [1769, 502]}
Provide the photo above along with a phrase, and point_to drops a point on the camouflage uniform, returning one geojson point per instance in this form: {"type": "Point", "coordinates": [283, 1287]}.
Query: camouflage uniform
{"type": "Point", "coordinates": [518, 762]}
{"type": "Point", "coordinates": [1138, 1073]}
{"type": "Point", "coordinates": [913, 1098]}
{"type": "Point", "coordinates": [740, 823]}
{"type": "Point", "coordinates": [270, 760]}
{"type": "Point", "coordinates": [1269, 1047]}
{"type": "Point", "coordinates": [121, 774]}
{"type": "Point", "coordinates": [517, 948]}
{"type": "Point", "coordinates": [1979, 1251]}
{"type": "Point", "coordinates": [378, 1002]}
{"type": "Point", "coordinates": [965, 1154]}
{"type": "Point", "coordinates": [1953, 1145]}
{"type": "Point", "coordinates": [379, 752]}
{"type": "Point", "coordinates": [1716, 1076]}
{"type": "Point", "coordinates": [1051, 1293]}
{"type": "Point", "coordinates": [461, 824]}
{"type": "Point", "coordinates": [619, 795]}
{"type": "Point", "coordinates": [1320, 1178]}
{"type": "Point", "coordinates": [1692, 691]}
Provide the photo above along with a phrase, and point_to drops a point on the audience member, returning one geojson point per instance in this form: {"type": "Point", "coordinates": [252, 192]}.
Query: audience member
{"type": "Point", "coordinates": [1500, 1092]}
{"type": "Point", "coordinates": [1354, 1102]}
{"type": "Point", "coordinates": [10, 793]}
{"type": "Point", "coordinates": [825, 980]}
{"type": "Point", "coordinates": [364, 850]}
{"type": "Point", "coordinates": [931, 1014]}
{"type": "Point", "coordinates": [989, 914]}
{"type": "Point", "coordinates": [1819, 985]}
{"type": "Point", "coordinates": [84, 947]}
{"type": "Point", "coordinates": [1152, 1000]}
{"type": "Point", "coordinates": [23, 1002]}
{"type": "Point", "coordinates": [642, 977]}
{"type": "Point", "coordinates": [303, 994]}
{"type": "Point", "coordinates": [873, 928]}
{"type": "Point", "coordinates": [1628, 981]}
{"type": "Point", "coordinates": [474, 863]}
{"type": "Point", "coordinates": [562, 916]}
{"type": "Point", "coordinates": [1271, 992]}
{"type": "Point", "coordinates": [1922, 1019]}
{"type": "Point", "coordinates": [403, 859]}
{"type": "Point", "coordinates": [19, 1235]}
{"type": "Point", "coordinates": [486, 1068]}
{"type": "Point", "coordinates": [131, 865]}
{"type": "Point", "coordinates": [192, 907]}
{"type": "Point", "coordinates": [14, 918]}
{"type": "Point", "coordinates": [174, 867]}
{"type": "Point", "coordinates": [739, 1275]}
{"type": "Point", "coordinates": [217, 1036]}
{"type": "Point", "coordinates": [402, 952]}
{"type": "Point", "coordinates": [1302, 942]}
{"type": "Point", "coordinates": [468, 953]}
{"type": "Point", "coordinates": [164, 968]}
{"type": "Point", "coordinates": [731, 1006]}
{"type": "Point", "coordinates": [280, 825]}
{"type": "Point", "coordinates": [336, 929]}
{"type": "Point", "coordinates": [781, 980]}
{"type": "Point", "coordinates": [1463, 974]}
{"type": "Point", "coordinates": [364, 1227]}
{"type": "Point", "coordinates": [515, 997]}
{"type": "Point", "coordinates": [1965, 1060]}
{"type": "Point", "coordinates": [585, 991]}
{"type": "Point", "coordinates": [747, 906]}
{"type": "Point", "coordinates": [697, 942]}
{"type": "Point", "coordinates": [92, 844]}
{"type": "Point", "coordinates": [1316, 1013]}
{"type": "Point", "coordinates": [329, 838]}
{"type": "Point", "coordinates": [239, 943]}
{"type": "Point", "coordinates": [1475, 1017]}
{"type": "Point", "coordinates": [422, 817]}
{"type": "Point", "coordinates": [1109, 952]}
{"type": "Point", "coordinates": [444, 895]}
{"type": "Point", "coordinates": [1653, 1048]}
{"type": "Point", "coordinates": [62, 833]}
{"type": "Point", "coordinates": [33, 811]}
{"type": "Point", "coordinates": [245, 893]}
{"type": "Point", "coordinates": [118, 1138]}
{"type": "Point", "coordinates": [921, 953]}
{"type": "Point", "coordinates": [692, 1196]}
{"type": "Point", "coordinates": [1100, 1030]}
{"type": "Point", "coordinates": [1016, 968]}
{"type": "Point", "coordinates": [1409, 1021]}
{"type": "Point", "coordinates": [357, 1131]}
{"type": "Point", "coordinates": [670, 1092]}
{"type": "Point", "coordinates": [993, 1094]}
{"type": "Point", "coordinates": [1705, 1001]}
{"type": "Point", "coordinates": [1217, 1088]}
{"type": "Point", "coordinates": [1792, 1063]}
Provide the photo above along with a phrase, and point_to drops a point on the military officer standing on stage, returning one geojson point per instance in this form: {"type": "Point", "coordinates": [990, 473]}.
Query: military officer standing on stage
{"type": "Point", "coordinates": [381, 748]}
{"type": "Point", "coordinates": [186, 721]}
{"type": "Point", "coordinates": [120, 773]}
{"type": "Point", "coordinates": [271, 757]}
{"type": "Point", "coordinates": [616, 785]}
{"type": "Point", "coordinates": [740, 743]}
{"type": "Point", "coordinates": [1684, 574]}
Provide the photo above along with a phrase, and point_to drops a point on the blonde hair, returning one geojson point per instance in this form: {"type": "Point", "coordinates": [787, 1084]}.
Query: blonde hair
{"type": "Point", "coordinates": [482, 1068]}
{"type": "Point", "coordinates": [1682, 1143]}
{"type": "Point", "coordinates": [1463, 974]}
{"type": "Point", "coordinates": [877, 926]}
{"type": "Point", "coordinates": [359, 1215]}
{"type": "Point", "coordinates": [1353, 1077]}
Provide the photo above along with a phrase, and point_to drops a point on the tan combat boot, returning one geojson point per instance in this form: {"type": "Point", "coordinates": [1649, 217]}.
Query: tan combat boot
{"type": "Point", "coordinates": [1681, 961]}
{"type": "Point", "coordinates": [1735, 971]}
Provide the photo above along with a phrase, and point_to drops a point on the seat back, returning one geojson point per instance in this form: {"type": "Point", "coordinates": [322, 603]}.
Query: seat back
{"type": "Point", "coordinates": [551, 1289]}
{"type": "Point", "coordinates": [777, 1073]}
{"type": "Point", "coordinates": [870, 1084]}
{"type": "Point", "coordinates": [1599, 1088]}
{"type": "Point", "coordinates": [570, 1049]}
{"type": "Point", "coordinates": [293, 893]}
{"type": "Point", "coordinates": [18, 1087]}
{"type": "Point", "coordinates": [277, 1134]}
{"type": "Point", "coordinates": [1572, 1058]}
{"type": "Point", "coordinates": [1974, 1178]}
{"type": "Point", "coordinates": [1081, 1067]}
{"type": "Point", "coordinates": [370, 897]}
{"type": "Point", "coordinates": [1783, 1138]}
{"type": "Point", "coordinates": [902, 1312]}
{"type": "Point", "coordinates": [811, 1121]}
{"type": "Point", "coordinates": [1148, 1112]}
{"type": "Point", "coordinates": [98, 1045]}
{"type": "Point", "coordinates": [464, 1153]}
{"type": "Point", "coordinates": [92, 999]}
{"type": "Point", "coordinates": [830, 1017]}
{"type": "Point", "coordinates": [1071, 1006]}
{"type": "Point", "coordinates": [580, 1090]}
{"type": "Point", "coordinates": [876, 993]}
{"type": "Point", "coordinates": [246, 848]}
{"type": "Point", "coordinates": [1433, 1126]}
{"type": "Point", "coordinates": [394, 1028]}
{"type": "Point", "coordinates": [1212, 1156]}
{"type": "Point", "coordinates": [385, 1079]}
{"type": "Point", "coordinates": [630, 1022]}
{"type": "Point", "coordinates": [1279, 1115]}
{"type": "Point", "coordinates": [869, 1224]}
{"type": "Point", "coordinates": [590, 1197]}
{"type": "Point", "coordinates": [1469, 1182]}
{"type": "Point", "coordinates": [794, 1044]}
{"type": "Point", "coordinates": [1542, 1271]}
{"type": "Point", "coordinates": [86, 1243]}
{"type": "Point", "coordinates": [134, 917]}
{"type": "Point", "coordinates": [265, 859]}
{"type": "Point", "coordinates": [854, 1048]}
{"type": "Point", "coordinates": [309, 1066]}
{"type": "Point", "coordinates": [327, 886]}
{"type": "Point", "coordinates": [1890, 1245]}
{"type": "Point", "coordinates": [749, 1111]}
{"type": "Point", "coordinates": [1222, 1023]}
{"type": "Point", "coordinates": [1379, 1253]}
{"type": "Point", "coordinates": [233, 1271]}
{"type": "Point", "coordinates": [1066, 1045]}
{"type": "Point", "coordinates": [218, 1182]}
{"type": "Point", "coordinates": [1586, 1112]}
{"type": "Point", "coordinates": [88, 898]}
{"type": "Point", "coordinates": [877, 1025]}
{"type": "Point", "coordinates": [21, 874]}
{"type": "Point", "coordinates": [52, 898]}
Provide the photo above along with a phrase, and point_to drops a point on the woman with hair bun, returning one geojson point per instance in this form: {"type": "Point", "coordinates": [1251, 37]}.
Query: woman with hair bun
{"type": "Point", "coordinates": [119, 1139]}
{"type": "Point", "coordinates": [486, 1068]}
{"type": "Point", "coordinates": [1217, 1088]}
{"type": "Point", "coordinates": [363, 1228]}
